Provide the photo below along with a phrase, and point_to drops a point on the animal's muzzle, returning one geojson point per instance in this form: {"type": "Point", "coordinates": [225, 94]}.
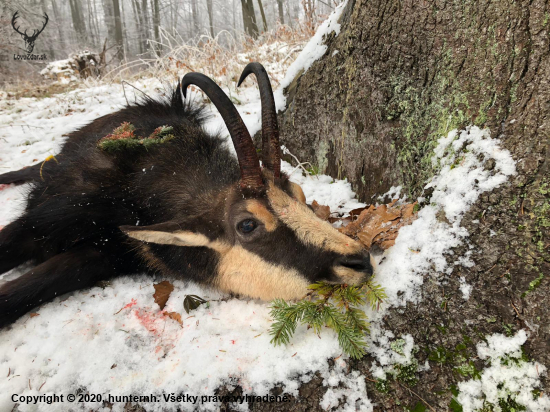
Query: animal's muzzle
{"type": "Point", "coordinates": [360, 262]}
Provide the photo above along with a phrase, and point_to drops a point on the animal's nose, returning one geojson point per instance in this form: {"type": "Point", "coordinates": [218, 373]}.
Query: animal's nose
{"type": "Point", "coordinates": [359, 262]}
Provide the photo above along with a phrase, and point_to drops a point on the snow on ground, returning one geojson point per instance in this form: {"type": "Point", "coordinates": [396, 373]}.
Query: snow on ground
{"type": "Point", "coordinates": [507, 375]}
{"type": "Point", "coordinates": [85, 340]}
{"type": "Point", "coordinates": [114, 340]}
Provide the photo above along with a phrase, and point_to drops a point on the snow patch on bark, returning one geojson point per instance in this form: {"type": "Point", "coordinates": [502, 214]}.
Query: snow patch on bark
{"type": "Point", "coordinates": [461, 159]}
{"type": "Point", "coordinates": [313, 51]}
{"type": "Point", "coordinates": [422, 247]}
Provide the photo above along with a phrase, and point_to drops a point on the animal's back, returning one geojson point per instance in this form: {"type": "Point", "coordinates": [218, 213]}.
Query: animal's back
{"type": "Point", "coordinates": [128, 187]}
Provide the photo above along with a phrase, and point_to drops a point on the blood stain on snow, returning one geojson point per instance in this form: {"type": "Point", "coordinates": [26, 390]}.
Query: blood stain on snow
{"type": "Point", "coordinates": [133, 302]}
{"type": "Point", "coordinates": [148, 320]}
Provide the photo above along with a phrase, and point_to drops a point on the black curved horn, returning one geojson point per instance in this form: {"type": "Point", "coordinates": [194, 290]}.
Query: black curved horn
{"type": "Point", "coordinates": [270, 129]}
{"type": "Point", "coordinates": [246, 152]}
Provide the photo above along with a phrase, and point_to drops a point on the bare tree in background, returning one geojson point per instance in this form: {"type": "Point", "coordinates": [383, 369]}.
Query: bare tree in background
{"type": "Point", "coordinates": [281, 11]}
{"type": "Point", "coordinates": [210, 16]}
{"type": "Point", "coordinates": [93, 30]}
{"type": "Point", "coordinates": [118, 30]}
{"type": "Point", "coordinates": [309, 11]}
{"type": "Point", "coordinates": [195, 13]}
{"type": "Point", "coordinates": [145, 21]}
{"type": "Point", "coordinates": [263, 14]}
{"type": "Point", "coordinates": [133, 29]}
{"type": "Point", "coordinates": [139, 23]}
{"type": "Point", "coordinates": [109, 19]}
{"type": "Point", "coordinates": [249, 18]}
{"type": "Point", "coordinates": [60, 28]}
{"type": "Point", "coordinates": [156, 27]}
{"type": "Point", "coordinates": [79, 23]}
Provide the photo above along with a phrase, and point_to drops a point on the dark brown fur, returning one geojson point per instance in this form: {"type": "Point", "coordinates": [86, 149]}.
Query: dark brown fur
{"type": "Point", "coordinates": [71, 226]}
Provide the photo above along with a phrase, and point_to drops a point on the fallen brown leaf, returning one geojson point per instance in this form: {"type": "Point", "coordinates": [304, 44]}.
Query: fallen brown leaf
{"type": "Point", "coordinates": [162, 293]}
{"type": "Point", "coordinates": [176, 316]}
{"type": "Point", "coordinates": [380, 225]}
{"type": "Point", "coordinates": [322, 212]}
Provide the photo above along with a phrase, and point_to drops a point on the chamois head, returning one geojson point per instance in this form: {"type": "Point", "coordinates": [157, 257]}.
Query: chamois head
{"type": "Point", "coordinates": [266, 242]}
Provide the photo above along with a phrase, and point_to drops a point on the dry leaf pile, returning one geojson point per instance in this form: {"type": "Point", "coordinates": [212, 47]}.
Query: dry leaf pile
{"type": "Point", "coordinates": [373, 225]}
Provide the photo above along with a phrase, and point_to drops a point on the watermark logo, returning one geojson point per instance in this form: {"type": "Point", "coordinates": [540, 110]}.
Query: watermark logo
{"type": "Point", "coordinates": [29, 39]}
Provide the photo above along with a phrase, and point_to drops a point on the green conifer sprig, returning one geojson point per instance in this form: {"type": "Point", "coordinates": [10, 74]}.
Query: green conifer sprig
{"type": "Point", "coordinates": [333, 306]}
{"type": "Point", "coordinates": [124, 138]}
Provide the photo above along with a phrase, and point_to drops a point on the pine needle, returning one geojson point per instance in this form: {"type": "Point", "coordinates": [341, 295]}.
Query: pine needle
{"type": "Point", "coordinates": [333, 306]}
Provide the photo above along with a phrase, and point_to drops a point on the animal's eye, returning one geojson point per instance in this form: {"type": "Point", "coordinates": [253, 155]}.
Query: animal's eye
{"type": "Point", "coordinates": [247, 226]}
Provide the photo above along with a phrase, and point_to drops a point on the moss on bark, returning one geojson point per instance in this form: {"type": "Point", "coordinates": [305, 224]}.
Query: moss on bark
{"type": "Point", "coordinates": [406, 73]}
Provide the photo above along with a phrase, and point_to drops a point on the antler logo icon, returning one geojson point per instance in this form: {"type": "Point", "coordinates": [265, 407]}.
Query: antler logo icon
{"type": "Point", "coordinates": [29, 40]}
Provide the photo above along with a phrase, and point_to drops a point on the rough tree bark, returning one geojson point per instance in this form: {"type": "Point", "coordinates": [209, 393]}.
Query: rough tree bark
{"type": "Point", "coordinates": [249, 18]}
{"type": "Point", "coordinates": [398, 76]}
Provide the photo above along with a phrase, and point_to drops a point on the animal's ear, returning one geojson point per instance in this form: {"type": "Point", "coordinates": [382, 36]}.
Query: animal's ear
{"type": "Point", "coordinates": [168, 233]}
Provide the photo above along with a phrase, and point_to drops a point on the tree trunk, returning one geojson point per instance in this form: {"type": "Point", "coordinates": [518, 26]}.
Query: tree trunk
{"type": "Point", "coordinates": [309, 10]}
{"type": "Point", "coordinates": [96, 22]}
{"type": "Point", "coordinates": [195, 12]}
{"type": "Point", "coordinates": [60, 30]}
{"type": "Point", "coordinates": [400, 75]}
{"type": "Point", "coordinates": [263, 14]}
{"type": "Point", "coordinates": [139, 23]}
{"type": "Point", "coordinates": [124, 29]}
{"type": "Point", "coordinates": [79, 24]}
{"type": "Point", "coordinates": [281, 11]}
{"type": "Point", "coordinates": [118, 30]}
{"type": "Point", "coordinates": [233, 8]}
{"type": "Point", "coordinates": [156, 27]}
{"type": "Point", "coordinates": [109, 20]}
{"type": "Point", "coordinates": [93, 31]}
{"type": "Point", "coordinates": [210, 16]}
{"type": "Point", "coordinates": [145, 20]}
{"type": "Point", "coordinates": [249, 18]}
{"type": "Point", "coordinates": [176, 15]}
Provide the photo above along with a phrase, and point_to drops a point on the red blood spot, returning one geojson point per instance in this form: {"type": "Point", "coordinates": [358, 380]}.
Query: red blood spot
{"type": "Point", "coordinates": [232, 341]}
{"type": "Point", "coordinates": [129, 305]}
{"type": "Point", "coordinates": [151, 322]}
